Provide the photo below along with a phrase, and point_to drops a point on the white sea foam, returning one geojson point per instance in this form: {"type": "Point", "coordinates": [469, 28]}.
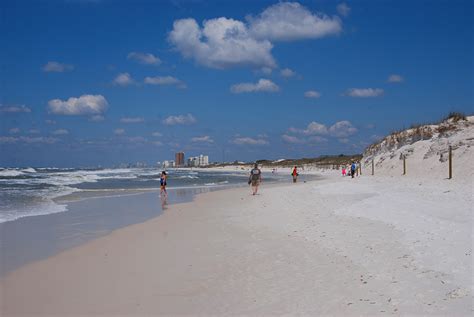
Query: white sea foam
{"type": "Point", "coordinates": [10, 173]}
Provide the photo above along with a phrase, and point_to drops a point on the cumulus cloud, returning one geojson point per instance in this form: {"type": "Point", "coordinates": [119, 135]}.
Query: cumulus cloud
{"type": "Point", "coordinates": [84, 105]}
{"type": "Point", "coordinates": [220, 43]}
{"type": "Point", "coordinates": [132, 120]}
{"type": "Point", "coordinates": [123, 79]}
{"type": "Point", "coordinates": [119, 131]}
{"type": "Point", "coordinates": [292, 139]}
{"type": "Point", "coordinates": [249, 141]}
{"type": "Point", "coordinates": [144, 58]}
{"type": "Point", "coordinates": [180, 119]}
{"type": "Point", "coordinates": [315, 128]}
{"type": "Point", "coordinates": [364, 92]}
{"type": "Point", "coordinates": [60, 132]}
{"type": "Point", "coordinates": [14, 109]}
{"type": "Point", "coordinates": [27, 139]}
{"type": "Point", "coordinates": [263, 85]}
{"type": "Point", "coordinates": [342, 129]}
{"type": "Point", "coordinates": [14, 130]}
{"type": "Point", "coordinates": [287, 73]}
{"type": "Point", "coordinates": [56, 67]}
{"type": "Point", "coordinates": [394, 78]}
{"type": "Point", "coordinates": [290, 21]}
{"type": "Point", "coordinates": [203, 139]}
{"type": "Point", "coordinates": [315, 131]}
{"type": "Point", "coordinates": [312, 94]}
{"type": "Point", "coordinates": [343, 9]}
{"type": "Point", "coordinates": [224, 43]}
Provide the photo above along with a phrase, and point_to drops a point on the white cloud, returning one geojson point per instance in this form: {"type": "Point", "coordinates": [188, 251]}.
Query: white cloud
{"type": "Point", "coordinates": [342, 129]}
{"type": "Point", "coordinates": [14, 130]}
{"type": "Point", "coordinates": [343, 9]}
{"type": "Point", "coordinates": [249, 141]}
{"type": "Point", "coordinates": [203, 139]}
{"type": "Point", "coordinates": [97, 118]}
{"type": "Point", "coordinates": [315, 128]}
{"type": "Point", "coordinates": [123, 79]}
{"type": "Point", "coordinates": [292, 139]}
{"type": "Point", "coordinates": [312, 94]}
{"type": "Point", "coordinates": [132, 120]}
{"type": "Point", "coordinates": [61, 132]}
{"type": "Point", "coordinates": [364, 92]}
{"type": "Point", "coordinates": [394, 78]}
{"type": "Point", "coordinates": [290, 21]}
{"type": "Point", "coordinates": [224, 43]}
{"type": "Point", "coordinates": [164, 80]}
{"type": "Point", "coordinates": [157, 134]}
{"type": "Point", "coordinates": [55, 67]}
{"type": "Point", "coordinates": [15, 109]}
{"type": "Point", "coordinates": [27, 139]}
{"type": "Point", "coordinates": [144, 58]}
{"type": "Point", "coordinates": [263, 85]}
{"type": "Point", "coordinates": [287, 73]}
{"type": "Point", "coordinates": [181, 119]}
{"type": "Point", "coordinates": [119, 131]}
{"type": "Point", "coordinates": [84, 105]}
{"type": "Point", "coordinates": [220, 43]}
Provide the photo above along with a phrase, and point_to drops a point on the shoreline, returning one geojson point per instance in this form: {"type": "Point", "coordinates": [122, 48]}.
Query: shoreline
{"type": "Point", "coordinates": [88, 217]}
{"type": "Point", "coordinates": [292, 249]}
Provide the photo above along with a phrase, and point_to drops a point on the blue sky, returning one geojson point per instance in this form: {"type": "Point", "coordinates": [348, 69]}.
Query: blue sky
{"type": "Point", "coordinates": [89, 82]}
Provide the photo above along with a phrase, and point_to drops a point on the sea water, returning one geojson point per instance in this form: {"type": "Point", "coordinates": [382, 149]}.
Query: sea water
{"type": "Point", "coordinates": [41, 191]}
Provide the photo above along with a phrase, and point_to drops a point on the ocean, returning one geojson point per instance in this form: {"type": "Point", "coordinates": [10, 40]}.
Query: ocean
{"type": "Point", "coordinates": [41, 191]}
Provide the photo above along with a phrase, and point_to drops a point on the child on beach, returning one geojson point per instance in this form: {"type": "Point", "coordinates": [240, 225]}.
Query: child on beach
{"type": "Point", "coordinates": [163, 179]}
{"type": "Point", "coordinates": [255, 178]}
{"type": "Point", "coordinates": [343, 171]}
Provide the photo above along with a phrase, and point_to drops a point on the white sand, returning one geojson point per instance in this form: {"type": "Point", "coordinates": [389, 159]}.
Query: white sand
{"type": "Point", "coordinates": [365, 246]}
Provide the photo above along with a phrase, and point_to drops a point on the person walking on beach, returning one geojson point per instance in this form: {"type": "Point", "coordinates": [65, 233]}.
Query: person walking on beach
{"type": "Point", "coordinates": [294, 174]}
{"type": "Point", "coordinates": [353, 169]}
{"type": "Point", "coordinates": [163, 179]}
{"type": "Point", "coordinates": [343, 171]}
{"type": "Point", "coordinates": [255, 178]}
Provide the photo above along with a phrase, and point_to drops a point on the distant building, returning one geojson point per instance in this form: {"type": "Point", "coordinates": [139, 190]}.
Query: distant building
{"type": "Point", "coordinates": [198, 161]}
{"type": "Point", "coordinates": [179, 159]}
{"type": "Point", "coordinates": [168, 164]}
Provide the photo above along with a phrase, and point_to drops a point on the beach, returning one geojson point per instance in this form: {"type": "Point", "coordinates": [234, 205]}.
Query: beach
{"type": "Point", "coordinates": [372, 245]}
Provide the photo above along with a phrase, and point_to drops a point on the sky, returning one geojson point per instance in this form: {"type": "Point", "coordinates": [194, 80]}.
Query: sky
{"type": "Point", "coordinates": [101, 82]}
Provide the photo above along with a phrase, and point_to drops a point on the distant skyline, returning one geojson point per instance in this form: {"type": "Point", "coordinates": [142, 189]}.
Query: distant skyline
{"type": "Point", "coordinates": [87, 83]}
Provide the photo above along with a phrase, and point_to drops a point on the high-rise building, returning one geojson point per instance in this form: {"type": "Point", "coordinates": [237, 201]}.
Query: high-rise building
{"type": "Point", "coordinates": [179, 159]}
{"type": "Point", "coordinates": [198, 161]}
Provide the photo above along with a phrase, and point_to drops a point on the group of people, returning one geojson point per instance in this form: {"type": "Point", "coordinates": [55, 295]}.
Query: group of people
{"type": "Point", "coordinates": [352, 170]}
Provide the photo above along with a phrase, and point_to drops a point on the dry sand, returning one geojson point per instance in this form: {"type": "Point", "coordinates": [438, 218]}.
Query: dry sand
{"type": "Point", "coordinates": [368, 246]}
